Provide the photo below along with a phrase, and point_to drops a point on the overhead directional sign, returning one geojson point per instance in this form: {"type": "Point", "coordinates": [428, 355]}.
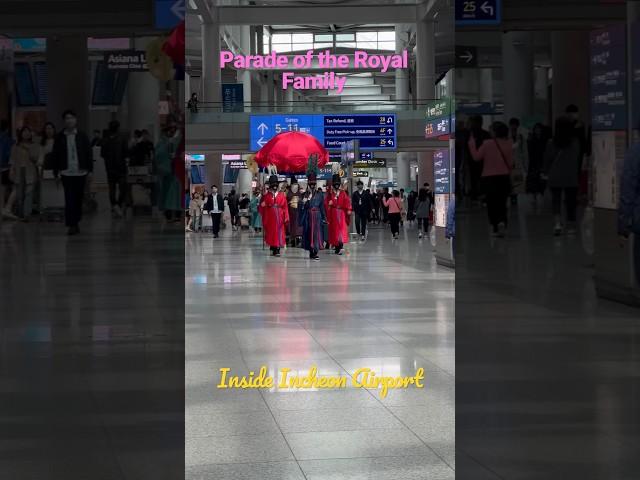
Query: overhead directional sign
{"type": "Point", "coordinates": [360, 173]}
{"type": "Point", "coordinates": [373, 163]}
{"type": "Point", "coordinates": [374, 132]}
{"type": "Point", "coordinates": [478, 12]}
{"type": "Point", "coordinates": [466, 56]}
{"type": "Point", "coordinates": [169, 13]}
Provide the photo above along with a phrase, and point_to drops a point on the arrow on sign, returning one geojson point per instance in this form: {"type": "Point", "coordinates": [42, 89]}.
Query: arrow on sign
{"type": "Point", "coordinates": [178, 9]}
{"type": "Point", "coordinates": [389, 131]}
{"type": "Point", "coordinates": [467, 56]}
{"type": "Point", "coordinates": [487, 8]}
{"type": "Point", "coordinates": [261, 128]}
{"type": "Point", "coordinates": [261, 142]}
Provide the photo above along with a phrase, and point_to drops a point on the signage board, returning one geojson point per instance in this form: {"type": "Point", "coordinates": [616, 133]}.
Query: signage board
{"type": "Point", "coordinates": [475, 108]}
{"type": "Point", "coordinates": [169, 13]}
{"type": "Point", "coordinates": [635, 75]}
{"type": "Point", "coordinates": [375, 163]}
{"type": "Point", "coordinates": [374, 132]}
{"type": "Point", "coordinates": [360, 173]}
{"type": "Point", "coordinates": [478, 12]}
{"type": "Point", "coordinates": [366, 156]}
{"type": "Point", "coordinates": [194, 157]}
{"type": "Point", "coordinates": [130, 60]}
{"type": "Point", "coordinates": [232, 97]}
{"type": "Point", "coordinates": [608, 78]}
{"type": "Point", "coordinates": [441, 172]}
{"type": "Point", "coordinates": [438, 108]}
{"type": "Point", "coordinates": [437, 128]}
{"type": "Point", "coordinates": [237, 164]}
{"type": "Point", "coordinates": [466, 56]}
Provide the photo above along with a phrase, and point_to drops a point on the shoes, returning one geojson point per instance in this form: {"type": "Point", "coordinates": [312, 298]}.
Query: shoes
{"type": "Point", "coordinates": [188, 230]}
{"type": "Point", "coordinates": [316, 258]}
{"type": "Point", "coordinates": [362, 238]}
{"type": "Point", "coordinates": [501, 230]}
{"type": "Point", "coordinates": [420, 235]}
{"type": "Point", "coordinates": [116, 211]}
{"type": "Point", "coordinates": [8, 214]}
{"type": "Point", "coordinates": [340, 252]}
{"type": "Point", "coordinates": [73, 230]}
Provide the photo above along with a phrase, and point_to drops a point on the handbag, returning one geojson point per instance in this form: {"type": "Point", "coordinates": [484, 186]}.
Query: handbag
{"type": "Point", "coordinates": [504, 159]}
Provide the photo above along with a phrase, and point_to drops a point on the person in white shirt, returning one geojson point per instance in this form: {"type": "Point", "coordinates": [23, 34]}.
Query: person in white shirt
{"type": "Point", "coordinates": [73, 161]}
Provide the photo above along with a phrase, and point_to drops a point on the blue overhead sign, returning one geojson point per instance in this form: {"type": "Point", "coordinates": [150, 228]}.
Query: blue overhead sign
{"type": "Point", "coordinates": [609, 78]}
{"type": "Point", "coordinates": [478, 12]}
{"type": "Point", "coordinates": [441, 171]}
{"type": "Point", "coordinates": [169, 13]}
{"type": "Point", "coordinates": [374, 132]}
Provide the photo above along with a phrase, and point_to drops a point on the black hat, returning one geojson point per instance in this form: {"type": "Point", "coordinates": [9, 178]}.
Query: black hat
{"type": "Point", "coordinates": [294, 180]}
{"type": "Point", "coordinates": [336, 179]}
{"type": "Point", "coordinates": [273, 180]}
{"type": "Point", "coordinates": [312, 178]}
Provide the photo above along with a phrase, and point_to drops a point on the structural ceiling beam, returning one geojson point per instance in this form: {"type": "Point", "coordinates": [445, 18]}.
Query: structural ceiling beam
{"type": "Point", "coordinates": [316, 14]}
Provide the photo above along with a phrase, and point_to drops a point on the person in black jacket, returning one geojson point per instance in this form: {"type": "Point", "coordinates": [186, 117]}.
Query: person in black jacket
{"type": "Point", "coordinates": [115, 151]}
{"type": "Point", "coordinates": [72, 159]}
{"type": "Point", "coordinates": [361, 204]}
{"type": "Point", "coordinates": [215, 207]}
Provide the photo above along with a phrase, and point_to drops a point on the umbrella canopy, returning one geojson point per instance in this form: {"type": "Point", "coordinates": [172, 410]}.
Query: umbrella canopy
{"type": "Point", "coordinates": [290, 151]}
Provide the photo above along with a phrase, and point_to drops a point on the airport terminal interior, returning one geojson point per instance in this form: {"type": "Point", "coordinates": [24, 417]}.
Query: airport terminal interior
{"type": "Point", "coordinates": [112, 362]}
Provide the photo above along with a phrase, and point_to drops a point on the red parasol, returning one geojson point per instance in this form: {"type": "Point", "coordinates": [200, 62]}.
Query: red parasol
{"type": "Point", "coordinates": [289, 152]}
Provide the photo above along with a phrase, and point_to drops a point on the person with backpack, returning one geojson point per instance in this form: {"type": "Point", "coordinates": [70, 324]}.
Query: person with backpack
{"type": "Point", "coordinates": [497, 157]}
{"type": "Point", "coordinates": [562, 165]}
{"type": "Point", "coordinates": [422, 210]}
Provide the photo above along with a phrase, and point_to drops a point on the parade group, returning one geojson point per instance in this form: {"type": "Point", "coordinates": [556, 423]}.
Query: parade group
{"type": "Point", "coordinates": [306, 216]}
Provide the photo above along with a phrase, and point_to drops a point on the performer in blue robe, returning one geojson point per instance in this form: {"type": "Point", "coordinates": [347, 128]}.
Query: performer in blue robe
{"type": "Point", "coordinates": [312, 217]}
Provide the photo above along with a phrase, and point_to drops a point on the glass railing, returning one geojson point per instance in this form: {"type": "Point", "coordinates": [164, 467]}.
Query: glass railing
{"type": "Point", "coordinates": [213, 112]}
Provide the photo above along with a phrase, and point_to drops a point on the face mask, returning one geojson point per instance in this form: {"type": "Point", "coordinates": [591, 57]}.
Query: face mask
{"type": "Point", "coordinates": [336, 186]}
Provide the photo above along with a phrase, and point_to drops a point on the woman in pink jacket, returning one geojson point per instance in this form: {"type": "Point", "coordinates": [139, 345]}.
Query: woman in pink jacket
{"type": "Point", "coordinates": [395, 206]}
{"type": "Point", "coordinates": [497, 157]}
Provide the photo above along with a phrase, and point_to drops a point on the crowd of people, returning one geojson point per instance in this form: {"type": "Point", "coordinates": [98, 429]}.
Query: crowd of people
{"type": "Point", "coordinates": [495, 167]}
{"type": "Point", "coordinates": [68, 157]}
{"type": "Point", "coordinates": [306, 216]}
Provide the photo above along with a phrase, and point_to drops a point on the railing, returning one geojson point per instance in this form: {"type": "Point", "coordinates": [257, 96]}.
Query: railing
{"type": "Point", "coordinates": [211, 111]}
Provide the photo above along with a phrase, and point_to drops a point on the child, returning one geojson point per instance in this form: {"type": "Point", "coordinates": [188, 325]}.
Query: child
{"type": "Point", "coordinates": [195, 213]}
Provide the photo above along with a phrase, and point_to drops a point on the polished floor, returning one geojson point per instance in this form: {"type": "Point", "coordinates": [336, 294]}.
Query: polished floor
{"type": "Point", "coordinates": [91, 351]}
{"type": "Point", "coordinates": [385, 305]}
{"type": "Point", "coordinates": [548, 374]}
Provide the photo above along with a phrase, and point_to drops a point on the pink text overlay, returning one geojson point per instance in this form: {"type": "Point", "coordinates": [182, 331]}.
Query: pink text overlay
{"type": "Point", "coordinates": [328, 80]}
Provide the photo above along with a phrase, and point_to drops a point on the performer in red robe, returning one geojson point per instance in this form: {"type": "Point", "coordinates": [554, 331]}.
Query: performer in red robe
{"type": "Point", "coordinates": [338, 208]}
{"type": "Point", "coordinates": [274, 210]}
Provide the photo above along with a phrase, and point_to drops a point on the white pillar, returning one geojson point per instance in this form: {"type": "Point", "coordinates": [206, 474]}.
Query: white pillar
{"type": "Point", "coordinates": [425, 168]}
{"type": "Point", "coordinates": [244, 76]}
{"type": "Point", "coordinates": [271, 98]}
{"type": "Point", "coordinates": [211, 83]}
{"type": "Point", "coordinates": [425, 60]}
{"type": "Point", "coordinates": [402, 164]}
{"type": "Point", "coordinates": [288, 95]}
{"type": "Point", "coordinates": [390, 174]}
{"type": "Point", "coordinates": [571, 79]}
{"type": "Point", "coordinates": [68, 79]}
{"type": "Point", "coordinates": [243, 184]}
{"type": "Point", "coordinates": [213, 170]}
{"type": "Point", "coordinates": [402, 75]}
{"type": "Point", "coordinates": [486, 84]}
{"type": "Point", "coordinates": [143, 94]}
{"type": "Point", "coordinates": [517, 63]}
